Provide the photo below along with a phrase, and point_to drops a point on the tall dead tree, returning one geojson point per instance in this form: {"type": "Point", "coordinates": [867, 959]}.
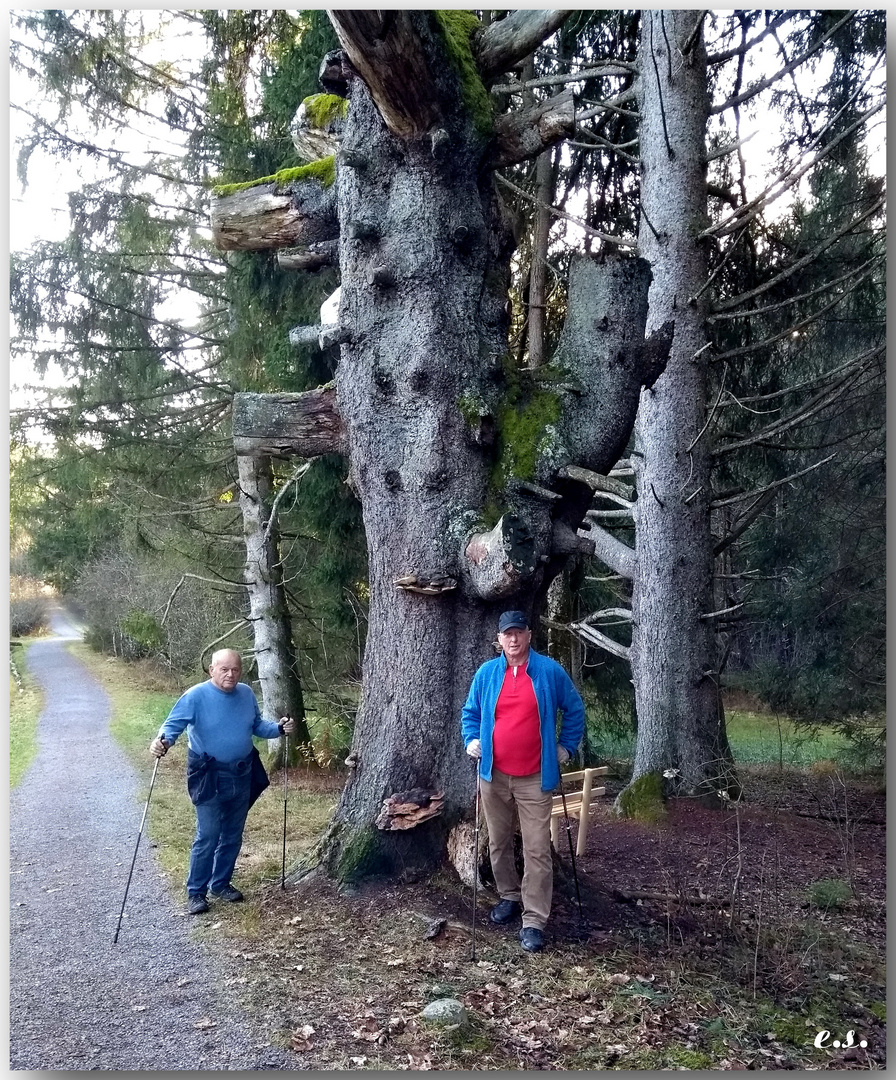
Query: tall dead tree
{"type": "Point", "coordinates": [274, 651]}
{"type": "Point", "coordinates": [457, 458]}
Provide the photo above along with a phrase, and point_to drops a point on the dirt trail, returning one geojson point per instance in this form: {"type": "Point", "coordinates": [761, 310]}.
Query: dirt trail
{"type": "Point", "coordinates": [76, 1000]}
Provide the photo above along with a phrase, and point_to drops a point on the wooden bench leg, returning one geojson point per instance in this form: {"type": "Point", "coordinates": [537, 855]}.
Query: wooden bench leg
{"type": "Point", "coordinates": [555, 833]}
{"type": "Point", "coordinates": [583, 832]}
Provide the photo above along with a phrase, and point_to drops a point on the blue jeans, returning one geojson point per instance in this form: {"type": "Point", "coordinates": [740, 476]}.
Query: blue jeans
{"type": "Point", "coordinates": [219, 830]}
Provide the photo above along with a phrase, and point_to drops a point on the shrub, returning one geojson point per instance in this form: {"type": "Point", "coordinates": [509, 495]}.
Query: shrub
{"type": "Point", "coordinates": [27, 616]}
{"type": "Point", "coordinates": [829, 893]}
{"type": "Point", "coordinates": [28, 607]}
{"type": "Point", "coordinates": [125, 598]}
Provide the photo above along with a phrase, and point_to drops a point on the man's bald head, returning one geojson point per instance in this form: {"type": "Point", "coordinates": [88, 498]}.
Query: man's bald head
{"type": "Point", "coordinates": [225, 669]}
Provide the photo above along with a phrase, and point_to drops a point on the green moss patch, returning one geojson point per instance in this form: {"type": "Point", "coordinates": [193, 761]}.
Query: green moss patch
{"type": "Point", "coordinates": [360, 856]}
{"type": "Point", "coordinates": [526, 429]}
{"type": "Point", "coordinates": [322, 108]}
{"type": "Point", "coordinates": [458, 27]}
{"type": "Point", "coordinates": [323, 171]}
{"type": "Point", "coordinates": [643, 800]}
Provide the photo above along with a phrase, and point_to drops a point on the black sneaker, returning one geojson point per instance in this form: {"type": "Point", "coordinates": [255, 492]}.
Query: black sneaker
{"type": "Point", "coordinates": [505, 911]}
{"type": "Point", "coordinates": [228, 893]}
{"type": "Point", "coordinates": [197, 904]}
{"type": "Point", "coordinates": [531, 939]}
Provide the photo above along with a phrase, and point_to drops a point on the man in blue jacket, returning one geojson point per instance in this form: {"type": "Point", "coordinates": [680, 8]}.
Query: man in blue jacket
{"type": "Point", "coordinates": [220, 717]}
{"type": "Point", "coordinates": [509, 723]}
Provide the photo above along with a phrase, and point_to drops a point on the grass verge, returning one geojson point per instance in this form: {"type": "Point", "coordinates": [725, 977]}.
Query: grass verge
{"type": "Point", "coordinates": [26, 702]}
{"type": "Point", "coordinates": [756, 739]}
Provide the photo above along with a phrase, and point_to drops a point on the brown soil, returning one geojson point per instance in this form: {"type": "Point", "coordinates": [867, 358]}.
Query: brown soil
{"type": "Point", "coordinates": [733, 966]}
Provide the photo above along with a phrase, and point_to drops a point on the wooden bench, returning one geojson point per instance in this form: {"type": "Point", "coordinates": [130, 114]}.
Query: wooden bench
{"type": "Point", "coordinates": [578, 803]}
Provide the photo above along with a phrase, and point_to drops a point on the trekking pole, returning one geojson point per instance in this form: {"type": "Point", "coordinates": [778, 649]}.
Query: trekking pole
{"type": "Point", "coordinates": [285, 797]}
{"type": "Point", "coordinates": [136, 846]}
{"type": "Point", "coordinates": [475, 865]}
{"type": "Point", "coordinates": [572, 853]}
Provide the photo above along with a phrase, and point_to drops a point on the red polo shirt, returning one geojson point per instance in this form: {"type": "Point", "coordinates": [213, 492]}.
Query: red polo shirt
{"type": "Point", "coordinates": [516, 740]}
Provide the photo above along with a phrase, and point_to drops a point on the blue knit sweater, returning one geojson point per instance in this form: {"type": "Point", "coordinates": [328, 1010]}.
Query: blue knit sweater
{"type": "Point", "coordinates": [554, 691]}
{"type": "Point", "coordinates": [219, 723]}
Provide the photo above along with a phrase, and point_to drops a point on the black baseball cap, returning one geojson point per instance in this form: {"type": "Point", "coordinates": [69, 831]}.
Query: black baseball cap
{"type": "Point", "coordinates": [511, 619]}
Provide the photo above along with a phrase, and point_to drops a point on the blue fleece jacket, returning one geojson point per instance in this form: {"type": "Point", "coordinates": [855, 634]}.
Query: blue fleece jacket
{"type": "Point", "coordinates": [554, 691]}
{"type": "Point", "coordinates": [219, 723]}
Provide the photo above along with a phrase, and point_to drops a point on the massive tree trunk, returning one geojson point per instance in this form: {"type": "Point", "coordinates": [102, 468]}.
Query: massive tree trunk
{"type": "Point", "coordinates": [680, 716]}
{"type": "Point", "coordinates": [456, 457]}
{"type": "Point", "coordinates": [275, 653]}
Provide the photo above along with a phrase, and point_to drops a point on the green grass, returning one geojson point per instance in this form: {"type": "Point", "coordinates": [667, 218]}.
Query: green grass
{"type": "Point", "coordinates": [759, 739]}
{"type": "Point", "coordinates": [756, 739]}
{"type": "Point", "coordinates": [25, 706]}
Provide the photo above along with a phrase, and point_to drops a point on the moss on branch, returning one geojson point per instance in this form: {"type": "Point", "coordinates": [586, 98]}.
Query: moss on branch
{"type": "Point", "coordinates": [320, 109]}
{"type": "Point", "coordinates": [457, 29]}
{"type": "Point", "coordinates": [323, 171]}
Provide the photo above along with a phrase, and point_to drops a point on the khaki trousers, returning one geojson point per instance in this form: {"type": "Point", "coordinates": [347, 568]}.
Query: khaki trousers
{"type": "Point", "coordinates": [533, 806]}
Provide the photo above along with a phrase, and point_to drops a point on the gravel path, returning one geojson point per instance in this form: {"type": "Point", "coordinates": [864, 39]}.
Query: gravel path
{"type": "Point", "coordinates": [76, 1000]}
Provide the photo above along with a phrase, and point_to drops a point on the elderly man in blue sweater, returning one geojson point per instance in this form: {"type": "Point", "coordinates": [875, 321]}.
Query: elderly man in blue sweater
{"type": "Point", "coordinates": [220, 717]}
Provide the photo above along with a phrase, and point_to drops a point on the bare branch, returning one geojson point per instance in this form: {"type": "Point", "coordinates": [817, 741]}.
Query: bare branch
{"type": "Point", "coordinates": [788, 178]}
{"type": "Point", "coordinates": [740, 50]}
{"type": "Point", "coordinates": [617, 240]}
{"type": "Point", "coordinates": [815, 405]}
{"type": "Point", "coordinates": [599, 70]}
{"type": "Point", "coordinates": [503, 43]}
{"type": "Point", "coordinates": [597, 482]}
{"type": "Point", "coordinates": [603, 515]}
{"type": "Point", "coordinates": [772, 79]}
{"type": "Point", "coordinates": [622, 614]}
{"type": "Point", "coordinates": [729, 148]}
{"type": "Point", "coordinates": [617, 555]}
{"type": "Point", "coordinates": [736, 301]}
{"type": "Point", "coordinates": [297, 475]}
{"type": "Point", "coordinates": [595, 637]}
{"type": "Point", "coordinates": [743, 524]}
{"type": "Point", "coordinates": [794, 328]}
{"type": "Point", "coordinates": [722, 611]}
{"type": "Point", "coordinates": [864, 270]}
{"type": "Point", "coordinates": [770, 487]}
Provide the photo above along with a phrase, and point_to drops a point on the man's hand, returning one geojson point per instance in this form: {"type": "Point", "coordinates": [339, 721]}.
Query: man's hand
{"type": "Point", "coordinates": [474, 748]}
{"type": "Point", "coordinates": [158, 747]}
{"type": "Point", "coordinates": [287, 724]}
{"type": "Point", "coordinates": [563, 755]}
